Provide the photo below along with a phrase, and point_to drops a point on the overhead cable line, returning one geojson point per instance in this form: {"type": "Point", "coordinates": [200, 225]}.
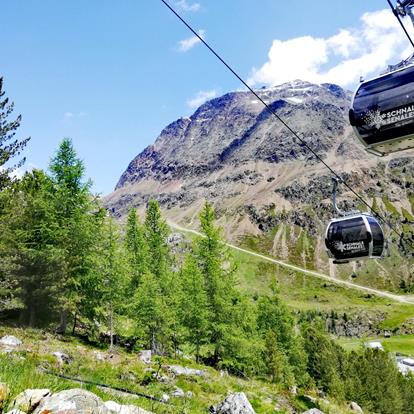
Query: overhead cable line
{"type": "Point", "coordinates": [396, 14]}
{"type": "Point", "coordinates": [284, 123]}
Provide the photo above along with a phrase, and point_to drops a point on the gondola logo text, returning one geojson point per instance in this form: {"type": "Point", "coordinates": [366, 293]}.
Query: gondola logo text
{"type": "Point", "coordinates": [377, 119]}
{"type": "Point", "coordinates": [346, 247]}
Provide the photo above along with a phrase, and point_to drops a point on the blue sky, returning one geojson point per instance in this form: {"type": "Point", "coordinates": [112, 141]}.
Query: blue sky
{"type": "Point", "coordinates": [110, 75]}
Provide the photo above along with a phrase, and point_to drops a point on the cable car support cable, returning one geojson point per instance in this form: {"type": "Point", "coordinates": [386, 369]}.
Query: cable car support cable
{"type": "Point", "coordinates": [284, 123]}
{"type": "Point", "coordinates": [397, 15]}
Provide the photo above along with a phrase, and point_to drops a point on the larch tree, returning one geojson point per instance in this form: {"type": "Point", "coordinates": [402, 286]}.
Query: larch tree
{"type": "Point", "coordinates": [74, 210]}
{"type": "Point", "coordinates": [156, 233]}
{"type": "Point", "coordinates": [10, 146]}
{"type": "Point", "coordinates": [136, 247]}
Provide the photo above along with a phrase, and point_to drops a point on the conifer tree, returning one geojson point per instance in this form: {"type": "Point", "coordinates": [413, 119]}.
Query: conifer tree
{"type": "Point", "coordinates": [111, 268]}
{"type": "Point", "coordinates": [10, 147]}
{"type": "Point", "coordinates": [193, 310]}
{"type": "Point", "coordinates": [219, 285]}
{"type": "Point", "coordinates": [34, 258]}
{"type": "Point", "coordinates": [136, 247]}
{"type": "Point", "coordinates": [156, 233]}
{"type": "Point", "coordinates": [74, 211]}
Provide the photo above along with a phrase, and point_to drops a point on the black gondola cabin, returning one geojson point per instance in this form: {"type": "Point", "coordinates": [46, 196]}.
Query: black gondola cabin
{"type": "Point", "coordinates": [382, 112]}
{"type": "Point", "coordinates": [354, 237]}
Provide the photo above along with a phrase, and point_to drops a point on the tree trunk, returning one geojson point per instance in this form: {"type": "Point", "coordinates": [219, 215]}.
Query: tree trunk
{"type": "Point", "coordinates": [32, 316]}
{"type": "Point", "coordinates": [111, 326]}
{"type": "Point", "coordinates": [61, 329]}
{"type": "Point", "coordinates": [74, 323]}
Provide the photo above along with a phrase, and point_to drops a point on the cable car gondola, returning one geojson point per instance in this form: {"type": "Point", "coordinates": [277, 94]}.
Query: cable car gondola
{"type": "Point", "coordinates": [382, 109]}
{"type": "Point", "coordinates": [382, 112]}
{"type": "Point", "coordinates": [354, 237]}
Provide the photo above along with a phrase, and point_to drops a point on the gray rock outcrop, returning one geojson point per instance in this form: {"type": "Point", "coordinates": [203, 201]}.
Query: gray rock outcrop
{"type": "Point", "coordinates": [356, 407]}
{"type": "Point", "coordinates": [179, 370]}
{"type": "Point", "coordinates": [115, 408]}
{"type": "Point", "coordinates": [236, 403]}
{"type": "Point", "coordinates": [72, 401]}
{"type": "Point", "coordinates": [29, 399]}
{"type": "Point", "coordinates": [10, 340]}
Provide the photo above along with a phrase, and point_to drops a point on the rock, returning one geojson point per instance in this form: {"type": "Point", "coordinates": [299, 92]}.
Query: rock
{"type": "Point", "coordinates": [356, 407]}
{"type": "Point", "coordinates": [115, 408]}
{"type": "Point", "coordinates": [165, 398]}
{"type": "Point", "coordinates": [311, 399]}
{"type": "Point", "coordinates": [294, 390]}
{"type": "Point", "coordinates": [178, 392]}
{"type": "Point", "coordinates": [145, 356]}
{"type": "Point", "coordinates": [189, 394]}
{"type": "Point", "coordinates": [179, 370]}
{"type": "Point", "coordinates": [15, 411]}
{"type": "Point", "coordinates": [236, 403]}
{"type": "Point", "coordinates": [99, 356]}
{"type": "Point", "coordinates": [10, 340]}
{"type": "Point", "coordinates": [313, 411]}
{"type": "Point", "coordinates": [29, 399]}
{"type": "Point", "coordinates": [62, 358]}
{"type": "Point", "coordinates": [4, 393]}
{"type": "Point", "coordinates": [72, 402]}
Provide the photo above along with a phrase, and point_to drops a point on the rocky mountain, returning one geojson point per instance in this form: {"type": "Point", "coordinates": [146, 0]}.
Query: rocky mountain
{"type": "Point", "coordinates": [270, 193]}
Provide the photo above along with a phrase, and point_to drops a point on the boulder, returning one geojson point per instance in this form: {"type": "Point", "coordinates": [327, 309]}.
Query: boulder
{"type": "Point", "coordinates": [145, 356]}
{"type": "Point", "coordinates": [28, 400]}
{"type": "Point", "coordinates": [179, 370]}
{"type": "Point", "coordinates": [313, 411]}
{"type": "Point", "coordinates": [236, 403]}
{"type": "Point", "coordinates": [178, 392]}
{"type": "Point", "coordinates": [72, 402]}
{"type": "Point", "coordinates": [356, 407]}
{"type": "Point", "coordinates": [165, 398]}
{"type": "Point", "coordinates": [4, 393]}
{"type": "Point", "coordinates": [62, 358]}
{"type": "Point", "coordinates": [10, 340]}
{"type": "Point", "coordinates": [115, 408]}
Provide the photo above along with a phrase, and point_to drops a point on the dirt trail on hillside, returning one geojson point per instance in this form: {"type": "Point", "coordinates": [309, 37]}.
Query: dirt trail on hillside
{"type": "Point", "coordinates": [377, 292]}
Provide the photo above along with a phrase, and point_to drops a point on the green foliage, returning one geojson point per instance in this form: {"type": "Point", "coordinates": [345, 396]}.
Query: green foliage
{"type": "Point", "coordinates": [10, 147]}
{"type": "Point", "coordinates": [136, 248]}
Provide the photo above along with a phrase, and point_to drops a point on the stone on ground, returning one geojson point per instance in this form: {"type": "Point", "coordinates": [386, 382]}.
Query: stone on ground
{"type": "Point", "coordinates": [72, 402]}
{"type": "Point", "coordinates": [356, 407]}
{"type": "Point", "coordinates": [29, 399]}
{"type": "Point", "coordinates": [179, 370]}
{"type": "Point", "coordinates": [145, 356]}
{"type": "Point", "coordinates": [313, 411]}
{"type": "Point", "coordinates": [236, 403]}
{"type": "Point", "coordinates": [115, 408]}
{"type": "Point", "coordinates": [10, 340]}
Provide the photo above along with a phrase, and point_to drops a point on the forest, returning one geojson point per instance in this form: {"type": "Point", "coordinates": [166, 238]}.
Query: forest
{"type": "Point", "coordinates": [68, 267]}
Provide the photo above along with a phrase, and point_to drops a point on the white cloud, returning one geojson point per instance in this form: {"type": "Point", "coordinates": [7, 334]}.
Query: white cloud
{"type": "Point", "coordinates": [187, 44]}
{"type": "Point", "coordinates": [185, 6]}
{"type": "Point", "coordinates": [67, 116]}
{"type": "Point", "coordinates": [342, 58]}
{"type": "Point", "coordinates": [201, 97]}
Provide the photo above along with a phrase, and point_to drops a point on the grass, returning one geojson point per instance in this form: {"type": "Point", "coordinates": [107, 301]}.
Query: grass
{"type": "Point", "coordinates": [403, 344]}
{"type": "Point", "coordinates": [303, 292]}
{"type": "Point", "coordinates": [20, 371]}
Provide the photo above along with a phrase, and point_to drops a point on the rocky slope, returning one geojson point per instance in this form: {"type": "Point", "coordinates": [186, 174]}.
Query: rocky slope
{"type": "Point", "coordinates": [269, 191]}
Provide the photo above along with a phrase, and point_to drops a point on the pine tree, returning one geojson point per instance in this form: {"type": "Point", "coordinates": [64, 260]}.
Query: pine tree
{"type": "Point", "coordinates": [156, 233]}
{"type": "Point", "coordinates": [74, 211]}
{"type": "Point", "coordinates": [273, 316]}
{"type": "Point", "coordinates": [193, 310]}
{"type": "Point", "coordinates": [10, 147]}
{"type": "Point", "coordinates": [277, 361]}
{"type": "Point", "coordinates": [111, 268]}
{"type": "Point", "coordinates": [219, 284]}
{"type": "Point", "coordinates": [33, 257]}
{"type": "Point", "coordinates": [136, 247]}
